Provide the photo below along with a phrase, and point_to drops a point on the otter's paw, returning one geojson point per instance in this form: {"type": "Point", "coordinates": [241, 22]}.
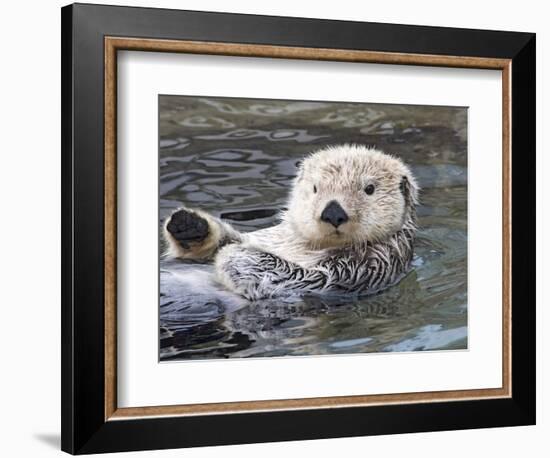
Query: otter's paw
{"type": "Point", "coordinates": [187, 227]}
{"type": "Point", "coordinates": [191, 234]}
{"type": "Point", "coordinates": [245, 271]}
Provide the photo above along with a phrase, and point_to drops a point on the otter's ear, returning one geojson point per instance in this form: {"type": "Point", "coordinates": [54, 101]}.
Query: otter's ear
{"type": "Point", "coordinates": [409, 191]}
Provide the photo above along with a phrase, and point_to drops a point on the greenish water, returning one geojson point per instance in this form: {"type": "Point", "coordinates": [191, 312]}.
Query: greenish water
{"type": "Point", "coordinates": [236, 158]}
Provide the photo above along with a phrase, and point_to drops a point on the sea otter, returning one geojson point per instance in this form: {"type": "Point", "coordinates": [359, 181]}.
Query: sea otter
{"type": "Point", "coordinates": [349, 229]}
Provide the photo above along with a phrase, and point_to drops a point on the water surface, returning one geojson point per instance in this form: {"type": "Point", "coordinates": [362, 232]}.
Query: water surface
{"type": "Point", "coordinates": [236, 158]}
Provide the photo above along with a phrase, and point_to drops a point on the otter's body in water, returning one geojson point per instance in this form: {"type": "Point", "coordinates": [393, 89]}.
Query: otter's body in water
{"type": "Point", "coordinates": [349, 229]}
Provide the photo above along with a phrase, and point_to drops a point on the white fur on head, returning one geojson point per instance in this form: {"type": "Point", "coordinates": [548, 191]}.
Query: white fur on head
{"type": "Point", "coordinates": [342, 173]}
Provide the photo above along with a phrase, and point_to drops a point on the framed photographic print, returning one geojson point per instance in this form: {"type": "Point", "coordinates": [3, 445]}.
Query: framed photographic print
{"type": "Point", "coordinates": [271, 222]}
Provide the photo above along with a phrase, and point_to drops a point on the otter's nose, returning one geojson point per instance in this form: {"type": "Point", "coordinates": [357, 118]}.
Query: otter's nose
{"type": "Point", "coordinates": [334, 214]}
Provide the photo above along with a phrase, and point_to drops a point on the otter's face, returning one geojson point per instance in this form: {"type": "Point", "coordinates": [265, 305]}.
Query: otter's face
{"type": "Point", "coordinates": [351, 194]}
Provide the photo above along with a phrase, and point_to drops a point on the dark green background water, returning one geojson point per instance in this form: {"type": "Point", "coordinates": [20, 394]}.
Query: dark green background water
{"type": "Point", "coordinates": [236, 158]}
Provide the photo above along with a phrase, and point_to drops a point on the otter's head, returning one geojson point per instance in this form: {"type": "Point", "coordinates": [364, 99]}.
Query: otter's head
{"type": "Point", "coordinates": [351, 194]}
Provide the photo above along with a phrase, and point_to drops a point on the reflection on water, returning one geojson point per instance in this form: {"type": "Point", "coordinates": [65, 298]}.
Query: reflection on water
{"type": "Point", "coordinates": [236, 158]}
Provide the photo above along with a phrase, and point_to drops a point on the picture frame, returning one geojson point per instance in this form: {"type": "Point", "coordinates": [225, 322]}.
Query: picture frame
{"type": "Point", "coordinates": [92, 36]}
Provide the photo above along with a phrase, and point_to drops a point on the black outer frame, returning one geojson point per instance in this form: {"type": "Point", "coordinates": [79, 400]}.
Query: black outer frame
{"type": "Point", "coordinates": [84, 429]}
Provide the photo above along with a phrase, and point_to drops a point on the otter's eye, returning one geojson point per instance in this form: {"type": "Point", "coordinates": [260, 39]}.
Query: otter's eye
{"type": "Point", "coordinates": [369, 189]}
{"type": "Point", "coordinates": [314, 189]}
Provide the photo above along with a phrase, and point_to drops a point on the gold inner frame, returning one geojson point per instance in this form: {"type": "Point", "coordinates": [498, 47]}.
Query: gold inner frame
{"type": "Point", "coordinates": [114, 44]}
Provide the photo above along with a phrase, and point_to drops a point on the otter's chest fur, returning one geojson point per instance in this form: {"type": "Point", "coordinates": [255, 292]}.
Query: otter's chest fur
{"type": "Point", "coordinates": [282, 241]}
{"type": "Point", "coordinates": [278, 263]}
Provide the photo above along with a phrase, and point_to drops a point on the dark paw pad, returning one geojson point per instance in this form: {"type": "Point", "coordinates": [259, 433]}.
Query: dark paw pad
{"type": "Point", "coordinates": [187, 227]}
